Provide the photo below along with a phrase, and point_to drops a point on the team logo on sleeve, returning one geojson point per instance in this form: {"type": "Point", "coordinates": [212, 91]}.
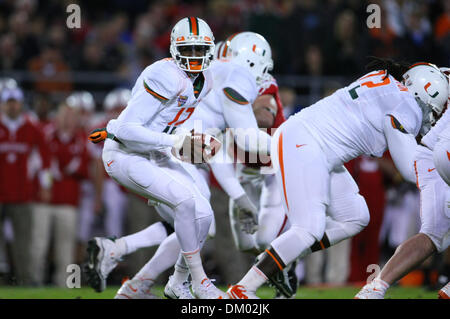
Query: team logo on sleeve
{"type": "Point", "coordinates": [234, 96]}
{"type": "Point", "coordinates": [182, 99]}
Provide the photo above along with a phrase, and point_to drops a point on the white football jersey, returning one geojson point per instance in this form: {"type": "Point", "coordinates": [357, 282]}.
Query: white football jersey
{"type": "Point", "coordinates": [445, 133]}
{"type": "Point", "coordinates": [430, 139]}
{"type": "Point", "coordinates": [162, 98]}
{"type": "Point", "coordinates": [349, 122]}
{"type": "Point", "coordinates": [211, 111]}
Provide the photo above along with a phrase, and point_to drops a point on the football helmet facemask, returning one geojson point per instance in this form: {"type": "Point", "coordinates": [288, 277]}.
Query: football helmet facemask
{"type": "Point", "coordinates": [192, 44]}
{"type": "Point", "coordinates": [430, 89]}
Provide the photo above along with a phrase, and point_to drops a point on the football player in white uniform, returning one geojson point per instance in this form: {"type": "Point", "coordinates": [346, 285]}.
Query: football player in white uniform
{"type": "Point", "coordinates": [137, 152]}
{"type": "Point", "coordinates": [228, 105]}
{"type": "Point", "coordinates": [253, 232]}
{"type": "Point", "coordinates": [372, 114]}
{"type": "Point", "coordinates": [432, 181]}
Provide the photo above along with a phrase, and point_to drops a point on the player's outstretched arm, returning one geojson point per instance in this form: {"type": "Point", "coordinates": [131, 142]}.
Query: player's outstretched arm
{"type": "Point", "coordinates": [242, 119]}
{"type": "Point", "coordinates": [402, 146]}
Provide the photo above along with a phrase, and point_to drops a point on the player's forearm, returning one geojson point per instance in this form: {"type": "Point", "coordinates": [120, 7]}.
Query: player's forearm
{"type": "Point", "coordinates": [138, 138]}
{"type": "Point", "coordinates": [402, 147]}
{"type": "Point", "coordinates": [253, 141]}
{"type": "Point", "coordinates": [430, 139]}
{"type": "Point", "coordinates": [226, 177]}
{"type": "Point", "coordinates": [247, 134]}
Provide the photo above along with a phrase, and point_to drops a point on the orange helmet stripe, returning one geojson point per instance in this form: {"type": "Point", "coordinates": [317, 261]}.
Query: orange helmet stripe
{"type": "Point", "coordinates": [193, 25]}
{"type": "Point", "coordinates": [225, 49]}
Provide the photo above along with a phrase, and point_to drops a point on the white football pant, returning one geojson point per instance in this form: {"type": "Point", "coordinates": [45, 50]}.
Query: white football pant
{"type": "Point", "coordinates": [319, 197]}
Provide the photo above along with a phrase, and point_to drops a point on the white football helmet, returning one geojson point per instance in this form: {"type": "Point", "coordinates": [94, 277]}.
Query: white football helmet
{"type": "Point", "coordinates": [251, 50]}
{"type": "Point", "coordinates": [430, 88]}
{"type": "Point", "coordinates": [219, 50]}
{"type": "Point", "coordinates": [188, 34]}
{"type": "Point", "coordinates": [116, 98]}
{"type": "Point", "coordinates": [82, 100]}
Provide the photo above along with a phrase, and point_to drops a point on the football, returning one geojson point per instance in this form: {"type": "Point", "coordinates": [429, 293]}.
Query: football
{"type": "Point", "coordinates": [197, 148]}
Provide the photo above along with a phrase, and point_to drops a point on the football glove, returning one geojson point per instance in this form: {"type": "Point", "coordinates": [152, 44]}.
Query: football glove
{"type": "Point", "coordinates": [246, 214]}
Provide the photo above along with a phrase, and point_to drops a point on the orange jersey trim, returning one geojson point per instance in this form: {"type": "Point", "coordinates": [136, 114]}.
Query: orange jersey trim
{"type": "Point", "coordinates": [280, 159]}
{"type": "Point", "coordinates": [153, 93]}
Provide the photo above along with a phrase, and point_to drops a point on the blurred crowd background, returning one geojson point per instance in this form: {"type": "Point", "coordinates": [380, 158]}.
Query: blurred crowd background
{"type": "Point", "coordinates": [317, 47]}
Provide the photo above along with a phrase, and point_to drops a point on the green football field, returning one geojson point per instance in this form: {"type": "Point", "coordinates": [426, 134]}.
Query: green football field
{"type": "Point", "coordinates": [347, 292]}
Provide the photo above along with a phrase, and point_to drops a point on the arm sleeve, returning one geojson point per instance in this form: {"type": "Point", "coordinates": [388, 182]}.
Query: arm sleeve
{"type": "Point", "coordinates": [409, 114]}
{"type": "Point", "coordinates": [144, 105]}
{"type": "Point", "coordinates": [226, 177]}
{"type": "Point", "coordinates": [239, 92]}
{"type": "Point", "coordinates": [431, 137]}
{"type": "Point", "coordinates": [402, 146]}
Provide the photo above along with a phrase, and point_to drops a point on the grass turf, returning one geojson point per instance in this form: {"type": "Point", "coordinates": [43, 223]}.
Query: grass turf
{"type": "Point", "coordinates": [346, 292]}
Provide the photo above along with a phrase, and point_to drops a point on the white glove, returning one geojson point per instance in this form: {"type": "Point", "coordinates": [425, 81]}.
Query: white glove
{"type": "Point", "coordinates": [247, 214]}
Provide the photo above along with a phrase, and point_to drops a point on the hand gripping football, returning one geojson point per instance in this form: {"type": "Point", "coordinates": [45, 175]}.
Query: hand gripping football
{"type": "Point", "coordinates": [197, 148]}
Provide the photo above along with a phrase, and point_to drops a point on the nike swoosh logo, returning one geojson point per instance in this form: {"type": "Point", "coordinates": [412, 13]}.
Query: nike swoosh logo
{"type": "Point", "coordinates": [431, 169]}
{"type": "Point", "coordinates": [299, 145]}
{"type": "Point", "coordinates": [109, 164]}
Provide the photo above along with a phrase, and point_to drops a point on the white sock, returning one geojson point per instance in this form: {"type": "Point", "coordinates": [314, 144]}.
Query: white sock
{"type": "Point", "coordinates": [146, 282]}
{"type": "Point", "coordinates": [380, 284]}
{"type": "Point", "coordinates": [194, 262]}
{"type": "Point", "coordinates": [148, 237]}
{"type": "Point", "coordinates": [121, 248]}
{"type": "Point", "coordinates": [181, 273]}
{"type": "Point", "coordinates": [253, 279]}
{"type": "Point", "coordinates": [165, 257]}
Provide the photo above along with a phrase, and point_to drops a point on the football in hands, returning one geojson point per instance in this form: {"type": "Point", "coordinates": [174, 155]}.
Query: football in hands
{"type": "Point", "coordinates": [197, 148]}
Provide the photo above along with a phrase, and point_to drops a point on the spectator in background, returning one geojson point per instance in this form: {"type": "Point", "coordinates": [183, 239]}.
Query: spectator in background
{"type": "Point", "coordinates": [84, 103]}
{"type": "Point", "coordinates": [442, 25]}
{"type": "Point", "coordinates": [417, 43]}
{"type": "Point", "coordinates": [110, 198]}
{"type": "Point", "coordinates": [50, 72]}
{"type": "Point", "coordinates": [384, 41]}
{"type": "Point", "coordinates": [27, 44]}
{"type": "Point", "coordinates": [57, 219]}
{"type": "Point", "coordinates": [42, 109]}
{"type": "Point", "coordinates": [442, 34]}
{"type": "Point", "coordinates": [288, 99]}
{"type": "Point", "coordinates": [8, 47]}
{"type": "Point", "coordinates": [345, 51]}
{"type": "Point", "coordinates": [18, 137]}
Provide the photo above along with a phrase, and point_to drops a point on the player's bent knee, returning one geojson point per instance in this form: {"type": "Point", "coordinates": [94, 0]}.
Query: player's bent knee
{"type": "Point", "coordinates": [358, 215]}
{"type": "Point", "coordinates": [294, 242]}
{"type": "Point", "coordinates": [437, 242]}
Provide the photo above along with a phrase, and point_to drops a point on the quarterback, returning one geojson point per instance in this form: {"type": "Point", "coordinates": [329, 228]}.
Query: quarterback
{"type": "Point", "coordinates": [137, 152]}
{"type": "Point", "coordinates": [229, 104]}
